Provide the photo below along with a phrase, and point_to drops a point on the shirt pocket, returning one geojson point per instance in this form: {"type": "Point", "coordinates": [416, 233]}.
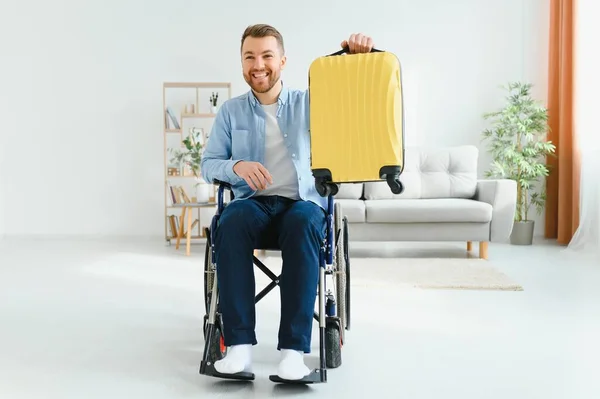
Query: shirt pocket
{"type": "Point", "coordinates": [241, 144]}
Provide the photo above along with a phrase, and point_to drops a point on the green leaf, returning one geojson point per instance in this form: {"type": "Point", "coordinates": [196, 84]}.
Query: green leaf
{"type": "Point", "coordinates": [517, 140]}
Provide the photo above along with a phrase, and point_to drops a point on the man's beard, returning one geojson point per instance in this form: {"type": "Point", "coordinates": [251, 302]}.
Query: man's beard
{"type": "Point", "coordinates": [266, 84]}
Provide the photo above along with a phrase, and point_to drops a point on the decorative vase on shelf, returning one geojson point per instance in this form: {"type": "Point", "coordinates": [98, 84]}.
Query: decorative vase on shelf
{"type": "Point", "coordinates": [202, 191]}
{"type": "Point", "coordinates": [214, 98]}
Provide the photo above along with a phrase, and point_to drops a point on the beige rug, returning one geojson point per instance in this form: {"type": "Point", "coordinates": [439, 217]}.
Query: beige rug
{"type": "Point", "coordinates": [426, 273]}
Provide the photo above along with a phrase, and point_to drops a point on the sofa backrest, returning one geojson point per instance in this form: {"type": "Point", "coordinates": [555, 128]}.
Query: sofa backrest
{"type": "Point", "coordinates": [449, 172]}
{"type": "Point", "coordinates": [350, 191]}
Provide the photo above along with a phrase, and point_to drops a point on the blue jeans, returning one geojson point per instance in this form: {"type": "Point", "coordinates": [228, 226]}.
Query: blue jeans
{"type": "Point", "coordinates": [298, 229]}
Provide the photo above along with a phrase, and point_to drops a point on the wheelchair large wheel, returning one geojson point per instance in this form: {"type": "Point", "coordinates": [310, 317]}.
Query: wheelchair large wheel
{"type": "Point", "coordinates": [216, 346]}
{"type": "Point", "coordinates": [347, 263]}
{"type": "Point", "coordinates": [341, 269]}
{"type": "Point", "coordinates": [209, 272]}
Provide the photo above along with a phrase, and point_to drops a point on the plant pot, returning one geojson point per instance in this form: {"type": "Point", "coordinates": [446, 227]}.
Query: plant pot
{"type": "Point", "coordinates": [522, 233]}
{"type": "Point", "coordinates": [202, 191]}
{"type": "Point", "coordinates": [213, 109]}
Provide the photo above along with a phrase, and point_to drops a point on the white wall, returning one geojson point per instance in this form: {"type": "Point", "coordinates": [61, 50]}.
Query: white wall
{"type": "Point", "coordinates": [84, 82]}
{"type": "Point", "coordinates": [536, 27]}
{"type": "Point", "coordinates": [586, 77]}
{"type": "Point", "coordinates": [6, 127]}
{"type": "Point", "coordinates": [2, 173]}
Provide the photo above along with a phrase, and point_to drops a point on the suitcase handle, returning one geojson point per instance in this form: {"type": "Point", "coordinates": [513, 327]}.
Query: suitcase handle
{"type": "Point", "coordinates": [347, 50]}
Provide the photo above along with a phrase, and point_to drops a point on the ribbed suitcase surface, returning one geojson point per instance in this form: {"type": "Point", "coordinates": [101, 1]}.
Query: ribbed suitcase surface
{"type": "Point", "coordinates": [356, 116]}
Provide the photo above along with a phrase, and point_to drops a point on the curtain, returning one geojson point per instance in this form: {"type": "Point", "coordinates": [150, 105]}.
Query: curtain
{"type": "Point", "coordinates": [586, 239]}
{"type": "Point", "coordinates": [562, 185]}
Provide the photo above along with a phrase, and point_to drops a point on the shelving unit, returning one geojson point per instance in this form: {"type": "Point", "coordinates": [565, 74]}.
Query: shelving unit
{"type": "Point", "coordinates": [186, 106]}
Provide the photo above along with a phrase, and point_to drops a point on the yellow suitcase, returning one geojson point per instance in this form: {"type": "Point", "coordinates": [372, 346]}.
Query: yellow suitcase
{"type": "Point", "coordinates": [356, 119]}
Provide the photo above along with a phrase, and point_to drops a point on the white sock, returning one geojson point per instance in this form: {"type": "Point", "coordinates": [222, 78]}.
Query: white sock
{"type": "Point", "coordinates": [237, 359]}
{"type": "Point", "coordinates": [292, 365]}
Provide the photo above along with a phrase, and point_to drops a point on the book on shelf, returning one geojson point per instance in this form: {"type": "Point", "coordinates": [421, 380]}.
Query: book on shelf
{"type": "Point", "coordinates": [170, 115]}
{"type": "Point", "coordinates": [176, 195]}
{"type": "Point", "coordinates": [175, 223]}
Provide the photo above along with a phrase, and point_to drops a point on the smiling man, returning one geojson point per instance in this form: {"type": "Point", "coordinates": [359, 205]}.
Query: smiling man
{"type": "Point", "coordinates": [260, 144]}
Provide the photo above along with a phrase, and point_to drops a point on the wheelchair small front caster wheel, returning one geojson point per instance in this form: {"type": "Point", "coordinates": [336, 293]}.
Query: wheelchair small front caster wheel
{"type": "Point", "coordinates": [333, 346]}
{"type": "Point", "coordinates": [216, 345]}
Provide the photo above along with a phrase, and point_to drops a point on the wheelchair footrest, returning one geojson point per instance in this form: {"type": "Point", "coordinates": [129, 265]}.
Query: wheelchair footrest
{"type": "Point", "coordinates": [209, 370]}
{"type": "Point", "coordinates": [315, 377]}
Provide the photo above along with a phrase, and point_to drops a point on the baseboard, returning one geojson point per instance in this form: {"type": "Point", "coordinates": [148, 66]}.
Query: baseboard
{"type": "Point", "coordinates": [83, 237]}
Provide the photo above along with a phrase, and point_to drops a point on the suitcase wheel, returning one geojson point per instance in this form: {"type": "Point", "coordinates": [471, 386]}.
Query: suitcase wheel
{"type": "Point", "coordinates": [395, 184]}
{"type": "Point", "coordinates": [326, 189]}
{"type": "Point", "coordinates": [323, 183]}
{"type": "Point", "coordinates": [391, 173]}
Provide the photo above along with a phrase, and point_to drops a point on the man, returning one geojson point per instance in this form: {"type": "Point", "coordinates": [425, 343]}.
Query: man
{"type": "Point", "coordinates": [260, 144]}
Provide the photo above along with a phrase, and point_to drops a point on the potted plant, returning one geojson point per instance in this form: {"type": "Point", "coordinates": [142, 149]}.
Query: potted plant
{"type": "Point", "coordinates": [518, 145]}
{"type": "Point", "coordinates": [191, 157]}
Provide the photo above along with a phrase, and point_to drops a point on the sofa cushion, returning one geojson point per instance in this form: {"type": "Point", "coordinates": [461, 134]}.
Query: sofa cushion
{"type": "Point", "coordinates": [427, 211]}
{"type": "Point", "coordinates": [433, 173]}
{"type": "Point", "coordinates": [349, 191]}
{"type": "Point", "coordinates": [354, 210]}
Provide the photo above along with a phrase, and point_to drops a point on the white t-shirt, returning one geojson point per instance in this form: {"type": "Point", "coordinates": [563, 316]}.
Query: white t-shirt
{"type": "Point", "coordinates": [277, 159]}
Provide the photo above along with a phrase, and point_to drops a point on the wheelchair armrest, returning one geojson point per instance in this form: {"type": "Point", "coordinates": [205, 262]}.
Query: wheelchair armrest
{"type": "Point", "coordinates": [222, 187]}
{"type": "Point", "coordinates": [222, 183]}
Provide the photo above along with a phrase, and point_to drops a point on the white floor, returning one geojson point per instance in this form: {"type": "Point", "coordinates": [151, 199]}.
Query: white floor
{"type": "Point", "coordinates": [124, 320]}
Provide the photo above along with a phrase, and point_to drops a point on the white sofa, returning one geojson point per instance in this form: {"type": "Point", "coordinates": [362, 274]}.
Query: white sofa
{"type": "Point", "coordinates": [443, 200]}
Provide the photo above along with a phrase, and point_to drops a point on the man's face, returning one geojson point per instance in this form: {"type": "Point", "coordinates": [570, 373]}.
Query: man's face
{"type": "Point", "coordinates": [262, 63]}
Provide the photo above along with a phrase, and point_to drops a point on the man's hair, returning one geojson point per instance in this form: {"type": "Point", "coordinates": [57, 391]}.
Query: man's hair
{"type": "Point", "coordinates": [263, 30]}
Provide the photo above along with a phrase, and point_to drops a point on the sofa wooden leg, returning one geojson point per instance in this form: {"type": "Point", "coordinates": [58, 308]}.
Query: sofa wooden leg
{"type": "Point", "coordinates": [483, 249]}
{"type": "Point", "coordinates": [469, 246]}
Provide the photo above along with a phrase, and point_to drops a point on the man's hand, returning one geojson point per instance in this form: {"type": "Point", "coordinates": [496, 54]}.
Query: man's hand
{"type": "Point", "coordinates": [358, 43]}
{"type": "Point", "coordinates": [256, 175]}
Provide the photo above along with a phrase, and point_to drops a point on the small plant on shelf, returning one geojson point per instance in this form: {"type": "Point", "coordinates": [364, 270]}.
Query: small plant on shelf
{"type": "Point", "coordinates": [192, 155]}
{"type": "Point", "coordinates": [518, 145]}
{"type": "Point", "coordinates": [214, 97]}
{"type": "Point", "coordinates": [191, 158]}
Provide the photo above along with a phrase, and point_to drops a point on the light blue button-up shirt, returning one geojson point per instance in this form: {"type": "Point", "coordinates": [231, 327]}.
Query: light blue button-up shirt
{"type": "Point", "coordinates": [238, 133]}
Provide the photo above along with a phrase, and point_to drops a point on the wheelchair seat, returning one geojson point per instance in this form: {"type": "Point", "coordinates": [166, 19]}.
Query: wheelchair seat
{"type": "Point", "coordinates": [268, 241]}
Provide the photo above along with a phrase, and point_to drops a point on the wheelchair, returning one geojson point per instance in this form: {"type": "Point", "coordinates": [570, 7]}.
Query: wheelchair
{"type": "Point", "coordinates": [333, 315]}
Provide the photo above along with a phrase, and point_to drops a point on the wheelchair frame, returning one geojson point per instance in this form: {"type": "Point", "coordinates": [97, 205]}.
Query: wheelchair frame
{"type": "Point", "coordinates": [333, 260]}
